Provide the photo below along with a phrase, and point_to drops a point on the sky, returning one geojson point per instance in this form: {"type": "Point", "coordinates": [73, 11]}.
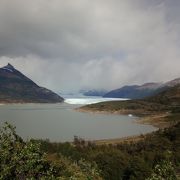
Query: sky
{"type": "Point", "coordinates": [67, 45]}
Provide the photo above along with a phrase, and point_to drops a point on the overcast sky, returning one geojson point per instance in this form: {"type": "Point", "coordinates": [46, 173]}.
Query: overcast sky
{"type": "Point", "coordinates": [66, 45]}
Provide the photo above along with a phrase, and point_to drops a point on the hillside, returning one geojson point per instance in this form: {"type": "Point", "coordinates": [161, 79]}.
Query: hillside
{"type": "Point", "coordinates": [141, 91]}
{"type": "Point", "coordinates": [15, 87]}
{"type": "Point", "coordinates": [166, 101]}
{"type": "Point", "coordinates": [169, 97]}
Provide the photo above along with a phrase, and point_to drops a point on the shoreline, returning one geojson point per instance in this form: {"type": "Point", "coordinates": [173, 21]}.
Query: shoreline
{"type": "Point", "coordinates": [119, 112]}
{"type": "Point", "coordinates": [19, 103]}
{"type": "Point", "coordinates": [156, 120]}
{"type": "Point", "coordinates": [126, 139]}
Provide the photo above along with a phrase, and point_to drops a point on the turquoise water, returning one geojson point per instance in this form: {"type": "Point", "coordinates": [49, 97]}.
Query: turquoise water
{"type": "Point", "coordinates": [60, 122]}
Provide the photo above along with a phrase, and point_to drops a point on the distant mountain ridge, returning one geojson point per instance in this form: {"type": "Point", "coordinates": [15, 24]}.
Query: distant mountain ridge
{"type": "Point", "coordinates": [141, 91]}
{"type": "Point", "coordinates": [165, 102]}
{"type": "Point", "coordinates": [15, 87]}
{"type": "Point", "coordinates": [93, 92]}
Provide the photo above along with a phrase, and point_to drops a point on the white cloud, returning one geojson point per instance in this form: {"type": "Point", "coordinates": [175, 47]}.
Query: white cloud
{"type": "Point", "coordinates": [67, 45]}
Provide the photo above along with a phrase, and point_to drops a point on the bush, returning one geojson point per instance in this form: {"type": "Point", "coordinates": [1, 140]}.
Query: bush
{"type": "Point", "coordinates": [25, 160]}
{"type": "Point", "coordinates": [21, 160]}
{"type": "Point", "coordinates": [163, 171]}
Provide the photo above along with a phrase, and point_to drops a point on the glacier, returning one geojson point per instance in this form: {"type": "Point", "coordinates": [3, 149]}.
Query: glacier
{"type": "Point", "coordinates": [91, 100]}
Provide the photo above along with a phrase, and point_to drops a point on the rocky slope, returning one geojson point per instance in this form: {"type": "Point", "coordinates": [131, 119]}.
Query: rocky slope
{"type": "Point", "coordinates": [141, 91]}
{"type": "Point", "coordinates": [15, 87]}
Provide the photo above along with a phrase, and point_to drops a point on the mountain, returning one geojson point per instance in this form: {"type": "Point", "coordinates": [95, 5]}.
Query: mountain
{"type": "Point", "coordinates": [141, 91]}
{"type": "Point", "coordinates": [169, 97]}
{"type": "Point", "coordinates": [93, 92]}
{"type": "Point", "coordinates": [15, 87]}
{"type": "Point", "coordinates": [134, 91]}
{"type": "Point", "coordinates": [165, 102]}
{"type": "Point", "coordinates": [172, 83]}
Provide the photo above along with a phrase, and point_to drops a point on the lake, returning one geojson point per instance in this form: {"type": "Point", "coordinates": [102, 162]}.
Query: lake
{"type": "Point", "coordinates": [60, 122]}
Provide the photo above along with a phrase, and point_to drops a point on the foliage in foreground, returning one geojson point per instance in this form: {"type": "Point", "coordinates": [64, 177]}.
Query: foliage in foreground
{"type": "Point", "coordinates": [155, 158]}
{"type": "Point", "coordinates": [128, 161]}
{"type": "Point", "coordinates": [163, 171]}
{"type": "Point", "coordinates": [25, 160]}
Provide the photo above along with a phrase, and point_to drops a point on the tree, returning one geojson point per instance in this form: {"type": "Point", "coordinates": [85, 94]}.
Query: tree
{"type": "Point", "coordinates": [19, 159]}
{"type": "Point", "coordinates": [164, 170]}
{"type": "Point", "coordinates": [25, 160]}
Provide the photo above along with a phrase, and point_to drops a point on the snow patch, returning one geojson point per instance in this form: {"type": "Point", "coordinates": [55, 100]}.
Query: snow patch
{"type": "Point", "coordinates": [7, 69]}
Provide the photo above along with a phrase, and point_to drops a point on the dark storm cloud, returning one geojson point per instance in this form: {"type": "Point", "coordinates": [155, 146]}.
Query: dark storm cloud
{"type": "Point", "coordinates": [65, 44]}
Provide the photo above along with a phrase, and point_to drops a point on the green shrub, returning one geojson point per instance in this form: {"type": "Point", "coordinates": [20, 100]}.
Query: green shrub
{"type": "Point", "coordinates": [19, 159]}
{"type": "Point", "coordinates": [25, 160]}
